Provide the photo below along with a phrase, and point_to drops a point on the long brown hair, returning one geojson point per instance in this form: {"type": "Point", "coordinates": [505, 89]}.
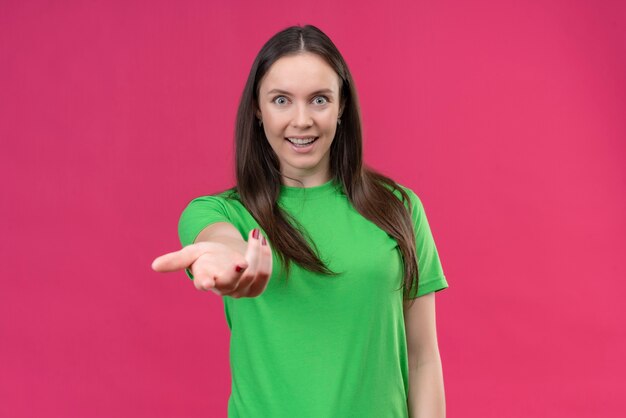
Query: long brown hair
{"type": "Point", "coordinates": [258, 168]}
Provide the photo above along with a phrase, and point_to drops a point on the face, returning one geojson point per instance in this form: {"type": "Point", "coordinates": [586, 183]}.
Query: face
{"type": "Point", "coordinates": [299, 101]}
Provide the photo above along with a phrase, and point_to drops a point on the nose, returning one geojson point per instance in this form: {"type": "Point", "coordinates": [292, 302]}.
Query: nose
{"type": "Point", "coordinates": [302, 118]}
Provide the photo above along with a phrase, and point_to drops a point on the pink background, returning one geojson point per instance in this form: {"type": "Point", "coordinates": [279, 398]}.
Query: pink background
{"type": "Point", "coordinates": [506, 117]}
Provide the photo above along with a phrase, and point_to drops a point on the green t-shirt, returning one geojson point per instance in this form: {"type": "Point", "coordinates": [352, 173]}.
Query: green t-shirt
{"type": "Point", "coordinates": [320, 346]}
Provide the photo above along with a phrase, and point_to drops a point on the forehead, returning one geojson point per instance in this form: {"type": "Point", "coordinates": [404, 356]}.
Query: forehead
{"type": "Point", "coordinates": [300, 74]}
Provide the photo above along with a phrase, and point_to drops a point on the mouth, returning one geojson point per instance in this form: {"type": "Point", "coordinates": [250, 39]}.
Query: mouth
{"type": "Point", "coordinates": [302, 142]}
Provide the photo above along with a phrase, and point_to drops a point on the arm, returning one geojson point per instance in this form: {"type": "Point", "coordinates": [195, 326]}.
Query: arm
{"type": "Point", "coordinates": [426, 392]}
{"type": "Point", "coordinates": [224, 233]}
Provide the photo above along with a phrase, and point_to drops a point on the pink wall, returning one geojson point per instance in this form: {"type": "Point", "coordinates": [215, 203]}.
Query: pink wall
{"type": "Point", "coordinates": [506, 117]}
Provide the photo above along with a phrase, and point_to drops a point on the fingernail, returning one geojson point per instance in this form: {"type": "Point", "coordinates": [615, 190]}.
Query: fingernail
{"type": "Point", "coordinates": [255, 233]}
{"type": "Point", "coordinates": [263, 242]}
{"type": "Point", "coordinates": [238, 269]}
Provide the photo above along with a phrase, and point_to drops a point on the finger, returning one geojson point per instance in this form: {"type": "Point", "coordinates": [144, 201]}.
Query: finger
{"type": "Point", "coordinates": [203, 283]}
{"type": "Point", "coordinates": [205, 276]}
{"type": "Point", "coordinates": [259, 281]}
{"type": "Point", "coordinates": [205, 273]}
{"type": "Point", "coordinates": [264, 271]}
{"type": "Point", "coordinates": [247, 276]}
{"type": "Point", "coordinates": [179, 260]}
{"type": "Point", "coordinates": [229, 282]}
{"type": "Point", "coordinates": [251, 255]}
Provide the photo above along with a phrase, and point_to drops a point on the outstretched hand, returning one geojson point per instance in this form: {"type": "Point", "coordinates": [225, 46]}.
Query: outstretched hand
{"type": "Point", "coordinates": [222, 270]}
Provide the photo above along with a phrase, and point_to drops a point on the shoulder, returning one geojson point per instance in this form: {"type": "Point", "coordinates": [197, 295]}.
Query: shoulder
{"type": "Point", "coordinates": [221, 205]}
{"type": "Point", "coordinates": [413, 198]}
{"type": "Point", "coordinates": [225, 197]}
{"type": "Point", "coordinates": [205, 210]}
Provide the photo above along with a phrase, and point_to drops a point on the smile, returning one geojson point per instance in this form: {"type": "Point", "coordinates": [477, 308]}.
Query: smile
{"type": "Point", "coordinates": [302, 141]}
{"type": "Point", "coordinates": [302, 145]}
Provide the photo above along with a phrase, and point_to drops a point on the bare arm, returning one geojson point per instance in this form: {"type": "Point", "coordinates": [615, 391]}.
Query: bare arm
{"type": "Point", "coordinates": [426, 391]}
{"type": "Point", "coordinates": [224, 233]}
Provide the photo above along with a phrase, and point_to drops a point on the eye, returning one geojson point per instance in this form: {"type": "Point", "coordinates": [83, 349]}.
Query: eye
{"type": "Point", "coordinates": [322, 97]}
{"type": "Point", "coordinates": [278, 97]}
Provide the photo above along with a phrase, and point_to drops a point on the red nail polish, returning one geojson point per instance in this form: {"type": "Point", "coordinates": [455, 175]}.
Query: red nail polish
{"type": "Point", "coordinates": [238, 269]}
{"type": "Point", "coordinates": [255, 233]}
{"type": "Point", "coordinates": [263, 242]}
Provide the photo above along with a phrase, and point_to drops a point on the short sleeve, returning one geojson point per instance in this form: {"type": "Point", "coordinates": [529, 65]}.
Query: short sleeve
{"type": "Point", "coordinates": [200, 213]}
{"type": "Point", "coordinates": [431, 276]}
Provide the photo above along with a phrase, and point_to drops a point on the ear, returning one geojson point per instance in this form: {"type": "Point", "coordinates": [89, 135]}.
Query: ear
{"type": "Point", "coordinates": [258, 114]}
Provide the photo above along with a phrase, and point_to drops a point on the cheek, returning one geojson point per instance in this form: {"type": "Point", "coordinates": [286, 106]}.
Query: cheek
{"type": "Point", "coordinates": [274, 137]}
{"type": "Point", "coordinates": [275, 125]}
{"type": "Point", "coordinates": [330, 122]}
{"type": "Point", "coordinates": [330, 127]}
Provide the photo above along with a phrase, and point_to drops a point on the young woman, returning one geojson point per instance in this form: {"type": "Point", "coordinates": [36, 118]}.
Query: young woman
{"type": "Point", "coordinates": [328, 269]}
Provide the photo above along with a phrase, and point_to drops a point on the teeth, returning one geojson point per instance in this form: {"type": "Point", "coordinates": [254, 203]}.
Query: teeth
{"type": "Point", "coordinates": [301, 141]}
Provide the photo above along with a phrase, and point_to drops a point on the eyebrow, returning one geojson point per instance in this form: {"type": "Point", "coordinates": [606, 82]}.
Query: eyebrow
{"type": "Point", "coordinates": [326, 91]}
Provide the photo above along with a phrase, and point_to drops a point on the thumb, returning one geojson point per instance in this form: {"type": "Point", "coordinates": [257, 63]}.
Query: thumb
{"type": "Point", "coordinates": [178, 260]}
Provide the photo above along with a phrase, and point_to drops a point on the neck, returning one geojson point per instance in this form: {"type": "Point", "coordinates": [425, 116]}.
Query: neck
{"type": "Point", "coordinates": [313, 180]}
